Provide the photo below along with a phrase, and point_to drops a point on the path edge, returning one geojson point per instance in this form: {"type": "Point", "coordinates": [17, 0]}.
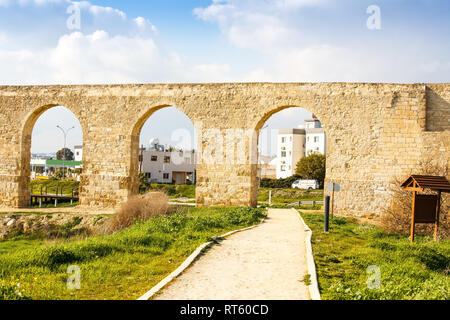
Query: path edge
{"type": "Point", "coordinates": [189, 261]}
{"type": "Point", "coordinates": [313, 288]}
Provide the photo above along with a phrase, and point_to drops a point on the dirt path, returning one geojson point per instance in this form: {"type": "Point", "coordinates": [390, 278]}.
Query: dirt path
{"type": "Point", "coordinates": [267, 262]}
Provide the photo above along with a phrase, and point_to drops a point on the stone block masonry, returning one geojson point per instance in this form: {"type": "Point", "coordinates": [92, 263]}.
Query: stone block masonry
{"type": "Point", "coordinates": [375, 132]}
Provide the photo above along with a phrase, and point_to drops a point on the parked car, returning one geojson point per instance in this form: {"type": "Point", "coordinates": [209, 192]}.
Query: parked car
{"type": "Point", "coordinates": [306, 184]}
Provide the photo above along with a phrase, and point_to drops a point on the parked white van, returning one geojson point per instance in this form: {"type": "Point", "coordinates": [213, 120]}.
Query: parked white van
{"type": "Point", "coordinates": [306, 184]}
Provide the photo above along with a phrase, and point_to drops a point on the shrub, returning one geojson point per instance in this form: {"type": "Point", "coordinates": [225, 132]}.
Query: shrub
{"type": "Point", "coordinates": [313, 167]}
{"type": "Point", "coordinates": [279, 183]}
{"type": "Point", "coordinates": [397, 217]}
{"type": "Point", "coordinates": [138, 208]}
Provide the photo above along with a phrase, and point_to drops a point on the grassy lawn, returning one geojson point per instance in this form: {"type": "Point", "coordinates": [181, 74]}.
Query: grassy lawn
{"type": "Point", "coordinates": [174, 191]}
{"type": "Point", "coordinates": [417, 271]}
{"type": "Point", "coordinates": [52, 186]}
{"type": "Point", "coordinates": [120, 266]}
{"type": "Point", "coordinates": [286, 196]}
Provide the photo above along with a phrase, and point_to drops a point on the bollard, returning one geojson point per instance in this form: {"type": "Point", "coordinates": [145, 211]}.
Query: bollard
{"type": "Point", "coordinates": [327, 214]}
{"type": "Point", "coordinates": [270, 198]}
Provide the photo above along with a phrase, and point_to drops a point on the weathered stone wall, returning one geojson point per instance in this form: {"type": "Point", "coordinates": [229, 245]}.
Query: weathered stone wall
{"type": "Point", "coordinates": [375, 132]}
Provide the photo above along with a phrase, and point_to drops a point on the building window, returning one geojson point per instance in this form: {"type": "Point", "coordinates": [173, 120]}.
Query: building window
{"type": "Point", "coordinates": [283, 154]}
{"type": "Point", "coordinates": [283, 168]}
{"type": "Point", "coordinates": [166, 176]}
{"type": "Point", "coordinates": [166, 159]}
{"type": "Point", "coordinates": [148, 175]}
{"type": "Point", "coordinates": [316, 139]}
{"type": "Point", "coordinates": [154, 158]}
{"type": "Point", "coordinates": [283, 140]}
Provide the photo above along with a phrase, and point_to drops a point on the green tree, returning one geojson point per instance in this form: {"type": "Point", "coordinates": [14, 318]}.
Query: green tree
{"type": "Point", "coordinates": [313, 167]}
{"type": "Point", "coordinates": [65, 154]}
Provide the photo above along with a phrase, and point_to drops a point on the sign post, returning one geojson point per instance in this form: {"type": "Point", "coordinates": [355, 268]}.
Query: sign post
{"type": "Point", "coordinates": [333, 187]}
{"type": "Point", "coordinates": [426, 207]}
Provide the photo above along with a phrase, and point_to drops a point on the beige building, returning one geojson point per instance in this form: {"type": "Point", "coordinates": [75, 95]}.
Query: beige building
{"type": "Point", "coordinates": [177, 167]}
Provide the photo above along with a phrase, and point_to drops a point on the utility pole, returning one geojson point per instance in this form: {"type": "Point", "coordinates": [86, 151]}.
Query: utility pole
{"type": "Point", "coordinates": [65, 132]}
{"type": "Point", "coordinates": [141, 158]}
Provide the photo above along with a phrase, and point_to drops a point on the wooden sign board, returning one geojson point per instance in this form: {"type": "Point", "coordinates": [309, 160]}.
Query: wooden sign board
{"type": "Point", "coordinates": [425, 208]}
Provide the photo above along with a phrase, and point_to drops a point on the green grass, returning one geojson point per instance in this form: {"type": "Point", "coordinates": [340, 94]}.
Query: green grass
{"type": "Point", "coordinates": [52, 186]}
{"type": "Point", "coordinates": [60, 204]}
{"type": "Point", "coordinates": [286, 196]}
{"type": "Point", "coordinates": [121, 266]}
{"type": "Point", "coordinates": [173, 191]}
{"type": "Point", "coordinates": [418, 271]}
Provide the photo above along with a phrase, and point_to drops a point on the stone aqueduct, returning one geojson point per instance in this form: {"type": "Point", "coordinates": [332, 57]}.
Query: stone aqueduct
{"type": "Point", "coordinates": [375, 132]}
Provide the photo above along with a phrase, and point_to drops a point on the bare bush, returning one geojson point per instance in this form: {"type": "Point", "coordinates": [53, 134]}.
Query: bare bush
{"type": "Point", "coordinates": [397, 218]}
{"type": "Point", "coordinates": [138, 208]}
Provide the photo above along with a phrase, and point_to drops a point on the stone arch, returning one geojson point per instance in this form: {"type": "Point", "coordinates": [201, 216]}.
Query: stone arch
{"type": "Point", "coordinates": [135, 139]}
{"type": "Point", "coordinates": [25, 148]}
{"type": "Point", "coordinates": [266, 117]}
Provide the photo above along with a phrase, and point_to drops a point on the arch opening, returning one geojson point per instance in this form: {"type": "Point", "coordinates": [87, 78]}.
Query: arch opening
{"type": "Point", "coordinates": [164, 153]}
{"type": "Point", "coordinates": [51, 158]}
{"type": "Point", "coordinates": [291, 151]}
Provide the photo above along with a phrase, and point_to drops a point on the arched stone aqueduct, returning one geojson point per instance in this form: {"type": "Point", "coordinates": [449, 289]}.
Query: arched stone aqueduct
{"type": "Point", "coordinates": [375, 132]}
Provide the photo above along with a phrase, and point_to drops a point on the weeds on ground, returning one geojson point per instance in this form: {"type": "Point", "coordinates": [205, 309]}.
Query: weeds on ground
{"type": "Point", "coordinates": [407, 271]}
{"type": "Point", "coordinates": [123, 265]}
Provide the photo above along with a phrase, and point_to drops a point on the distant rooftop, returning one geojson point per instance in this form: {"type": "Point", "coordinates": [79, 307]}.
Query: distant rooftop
{"type": "Point", "coordinates": [292, 131]}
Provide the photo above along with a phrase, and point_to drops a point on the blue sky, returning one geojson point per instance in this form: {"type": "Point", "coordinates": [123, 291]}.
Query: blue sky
{"type": "Point", "coordinates": [138, 41]}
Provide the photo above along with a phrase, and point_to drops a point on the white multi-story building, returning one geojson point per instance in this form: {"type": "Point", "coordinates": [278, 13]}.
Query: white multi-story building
{"type": "Point", "coordinates": [294, 144]}
{"type": "Point", "coordinates": [163, 166]}
{"type": "Point", "coordinates": [316, 139]}
{"type": "Point", "coordinates": [291, 148]}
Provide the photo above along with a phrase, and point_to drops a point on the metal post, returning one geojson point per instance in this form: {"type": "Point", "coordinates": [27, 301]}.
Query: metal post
{"type": "Point", "coordinates": [270, 197]}
{"type": "Point", "coordinates": [413, 218]}
{"type": "Point", "coordinates": [327, 213]}
{"type": "Point", "coordinates": [332, 202]}
{"type": "Point", "coordinates": [438, 212]}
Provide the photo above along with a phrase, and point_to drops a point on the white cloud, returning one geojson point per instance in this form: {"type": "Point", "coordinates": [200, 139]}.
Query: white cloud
{"type": "Point", "coordinates": [101, 58]}
{"type": "Point", "coordinates": [98, 10]}
{"type": "Point", "coordinates": [144, 24]}
{"type": "Point", "coordinates": [7, 3]}
{"type": "Point", "coordinates": [274, 30]}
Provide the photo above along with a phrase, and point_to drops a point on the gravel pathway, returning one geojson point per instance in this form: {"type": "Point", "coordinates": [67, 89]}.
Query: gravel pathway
{"type": "Point", "coordinates": [264, 263]}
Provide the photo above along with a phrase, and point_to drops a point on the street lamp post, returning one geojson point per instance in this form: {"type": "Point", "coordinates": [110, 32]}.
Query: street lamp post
{"type": "Point", "coordinates": [65, 132]}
